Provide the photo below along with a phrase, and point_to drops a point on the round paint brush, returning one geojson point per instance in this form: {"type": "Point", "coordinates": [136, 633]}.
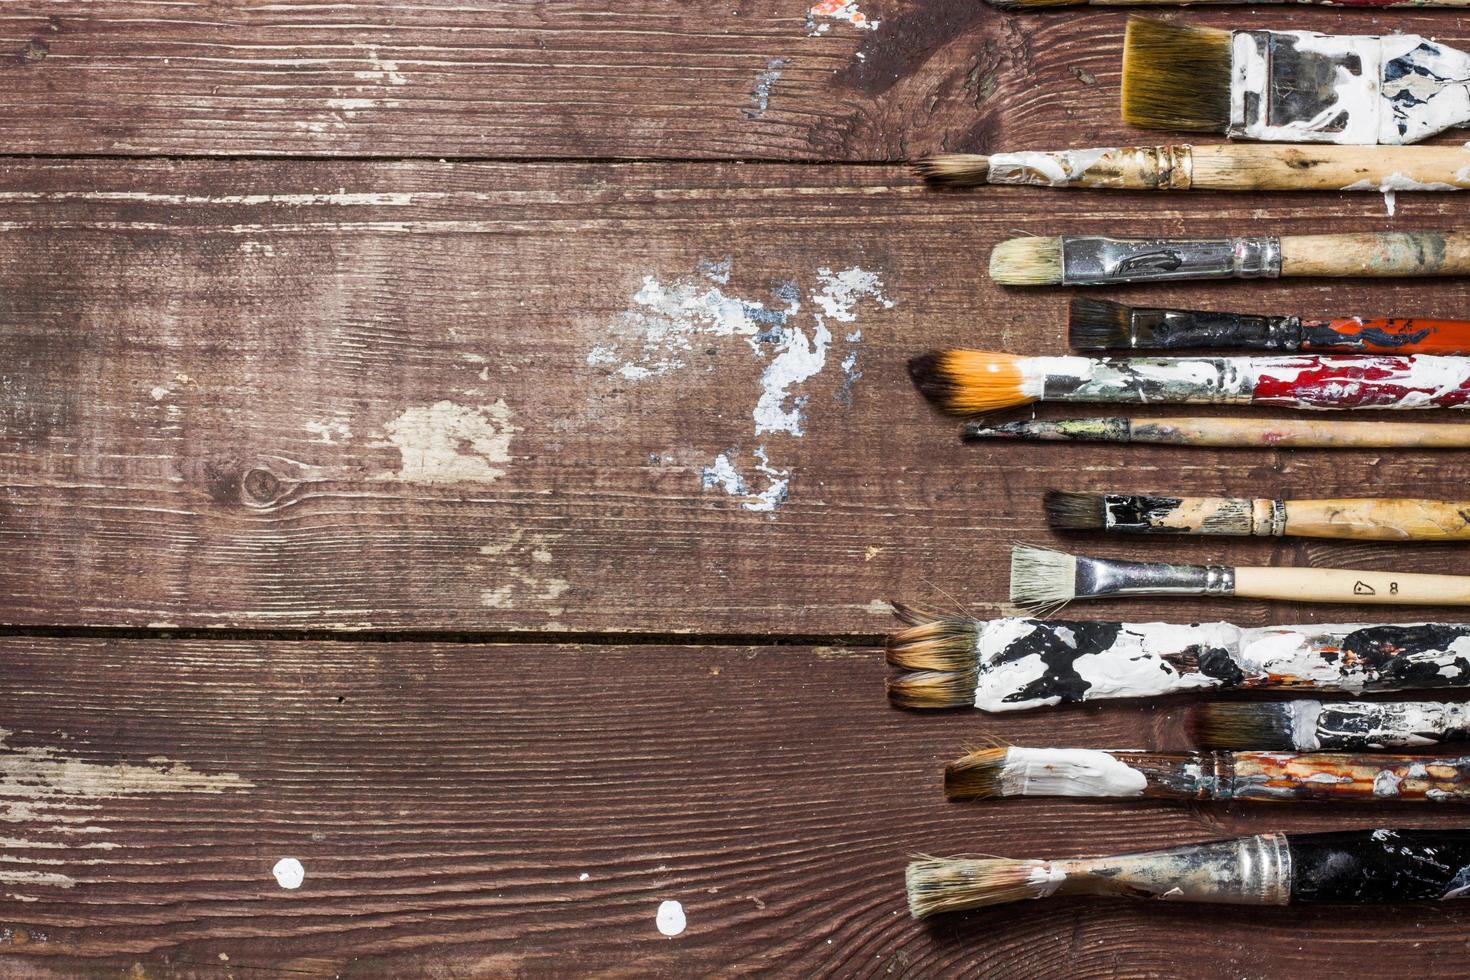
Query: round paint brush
{"type": "Point", "coordinates": [1358, 519]}
{"type": "Point", "coordinates": [1100, 325]}
{"type": "Point", "coordinates": [1307, 725]}
{"type": "Point", "coordinates": [1043, 580]}
{"type": "Point", "coordinates": [1358, 867]}
{"type": "Point", "coordinates": [1228, 432]}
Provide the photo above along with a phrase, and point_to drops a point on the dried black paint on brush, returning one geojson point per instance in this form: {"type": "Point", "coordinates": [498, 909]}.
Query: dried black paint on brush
{"type": "Point", "coordinates": [1059, 653]}
{"type": "Point", "coordinates": [1103, 325]}
{"type": "Point", "coordinates": [1383, 649]}
{"type": "Point", "coordinates": [1113, 429]}
{"type": "Point", "coordinates": [1111, 511]}
{"type": "Point", "coordinates": [1379, 866]}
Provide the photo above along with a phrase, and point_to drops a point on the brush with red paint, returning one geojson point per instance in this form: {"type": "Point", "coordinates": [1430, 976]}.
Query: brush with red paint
{"type": "Point", "coordinates": [1096, 324]}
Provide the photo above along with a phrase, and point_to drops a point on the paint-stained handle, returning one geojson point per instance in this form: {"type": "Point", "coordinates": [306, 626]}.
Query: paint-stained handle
{"type": "Point", "coordinates": [1412, 253]}
{"type": "Point", "coordinates": [1368, 519]}
{"type": "Point", "coordinates": [1245, 167]}
{"type": "Point", "coordinates": [1353, 586]}
{"type": "Point", "coordinates": [1411, 335]}
{"type": "Point", "coordinates": [1374, 866]}
{"type": "Point", "coordinates": [1347, 777]}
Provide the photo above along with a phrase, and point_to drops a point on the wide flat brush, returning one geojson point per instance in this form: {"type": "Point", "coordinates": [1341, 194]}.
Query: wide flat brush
{"type": "Point", "coordinates": [1292, 86]}
{"type": "Point", "coordinates": [1357, 867]}
{"type": "Point", "coordinates": [1093, 260]}
{"type": "Point", "coordinates": [1308, 725]}
{"type": "Point", "coordinates": [1017, 664]}
{"type": "Point", "coordinates": [972, 382]}
{"type": "Point", "coordinates": [1280, 777]}
{"type": "Point", "coordinates": [1358, 519]}
{"type": "Point", "coordinates": [1045, 580]}
{"type": "Point", "coordinates": [1221, 167]}
{"type": "Point", "coordinates": [1101, 325]}
{"type": "Point", "coordinates": [1212, 433]}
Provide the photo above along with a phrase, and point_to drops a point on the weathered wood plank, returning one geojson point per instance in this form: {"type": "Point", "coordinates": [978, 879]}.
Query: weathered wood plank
{"type": "Point", "coordinates": [500, 79]}
{"type": "Point", "coordinates": [494, 397]}
{"type": "Point", "coordinates": [515, 809]}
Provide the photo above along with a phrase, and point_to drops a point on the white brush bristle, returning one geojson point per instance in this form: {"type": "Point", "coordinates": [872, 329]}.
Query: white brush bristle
{"type": "Point", "coordinates": [1029, 261]}
{"type": "Point", "coordinates": [1042, 580]}
{"type": "Point", "coordinates": [954, 884]}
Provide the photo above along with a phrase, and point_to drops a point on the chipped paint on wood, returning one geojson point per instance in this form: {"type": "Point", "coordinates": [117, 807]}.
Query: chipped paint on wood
{"type": "Point", "coordinates": [845, 11]}
{"type": "Point", "coordinates": [450, 443]}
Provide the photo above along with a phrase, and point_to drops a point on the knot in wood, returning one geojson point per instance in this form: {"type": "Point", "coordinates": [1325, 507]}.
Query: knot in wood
{"type": "Point", "coordinates": [260, 487]}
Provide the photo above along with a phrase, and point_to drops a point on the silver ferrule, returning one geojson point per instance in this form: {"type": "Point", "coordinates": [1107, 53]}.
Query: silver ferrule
{"type": "Point", "coordinates": [1246, 871]}
{"type": "Point", "coordinates": [1106, 576]}
{"type": "Point", "coordinates": [1088, 260]}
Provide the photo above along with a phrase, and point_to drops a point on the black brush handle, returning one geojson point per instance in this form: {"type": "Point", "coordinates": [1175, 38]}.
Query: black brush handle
{"type": "Point", "coordinates": [1371, 867]}
{"type": "Point", "coordinates": [1160, 329]}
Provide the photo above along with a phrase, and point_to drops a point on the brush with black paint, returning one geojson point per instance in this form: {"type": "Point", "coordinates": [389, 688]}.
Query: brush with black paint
{"type": "Point", "coordinates": [1017, 664]}
{"type": "Point", "coordinates": [1308, 725]}
{"type": "Point", "coordinates": [1209, 433]}
{"type": "Point", "coordinates": [1100, 325]}
{"type": "Point", "coordinates": [1358, 867]}
{"type": "Point", "coordinates": [1292, 86]}
{"type": "Point", "coordinates": [1043, 580]}
{"type": "Point", "coordinates": [1357, 519]}
{"type": "Point", "coordinates": [1220, 776]}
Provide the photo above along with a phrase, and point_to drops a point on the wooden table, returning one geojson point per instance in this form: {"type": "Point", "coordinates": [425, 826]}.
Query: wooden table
{"type": "Point", "coordinates": [465, 447]}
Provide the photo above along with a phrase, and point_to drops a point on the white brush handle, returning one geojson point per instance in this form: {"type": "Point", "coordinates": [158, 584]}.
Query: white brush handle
{"type": "Point", "coordinates": [1352, 586]}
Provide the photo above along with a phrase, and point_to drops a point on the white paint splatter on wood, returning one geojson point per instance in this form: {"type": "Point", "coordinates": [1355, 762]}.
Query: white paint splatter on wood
{"type": "Point", "coordinates": [670, 918]}
{"type": "Point", "coordinates": [760, 94]}
{"type": "Point", "coordinates": [289, 873]}
{"type": "Point", "coordinates": [450, 443]}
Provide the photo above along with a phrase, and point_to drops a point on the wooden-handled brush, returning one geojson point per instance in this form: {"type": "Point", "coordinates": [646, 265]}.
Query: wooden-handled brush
{"type": "Point", "coordinates": [1358, 519]}
{"type": "Point", "coordinates": [1090, 260]}
{"type": "Point", "coordinates": [1307, 725]}
{"type": "Point", "coordinates": [1292, 86]}
{"type": "Point", "coordinates": [1222, 167]}
{"type": "Point", "coordinates": [1227, 433]}
{"type": "Point", "coordinates": [1043, 581]}
{"type": "Point", "coordinates": [1024, 5]}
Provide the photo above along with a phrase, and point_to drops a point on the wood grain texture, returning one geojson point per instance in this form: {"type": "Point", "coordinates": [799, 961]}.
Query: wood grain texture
{"type": "Point", "coordinates": [511, 810]}
{"type": "Point", "coordinates": [753, 79]}
{"type": "Point", "coordinates": [495, 397]}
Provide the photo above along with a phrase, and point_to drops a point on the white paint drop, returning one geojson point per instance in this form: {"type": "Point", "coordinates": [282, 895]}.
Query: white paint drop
{"type": "Point", "coordinates": [289, 873]}
{"type": "Point", "coordinates": [583, 876]}
{"type": "Point", "coordinates": [450, 443]}
{"type": "Point", "coordinates": [670, 918]}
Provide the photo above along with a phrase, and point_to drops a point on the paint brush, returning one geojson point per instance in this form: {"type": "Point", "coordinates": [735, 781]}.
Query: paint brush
{"type": "Point", "coordinates": [1292, 86]}
{"type": "Point", "coordinates": [1359, 519]}
{"type": "Point", "coordinates": [1229, 433]}
{"type": "Point", "coordinates": [1044, 580]}
{"type": "Point", "coordinates": [1101, 325]}
{"type": "Point", "coordinates": [1306, 725]}
{"type": "Point", "coordinates": [1023, 5]}
{"type": "Point", "coordinates": [972, 382]}
{"type": "Point", "coordinates": [1317, 777]}
{"type": "Point", "coordinates": [1093, 260]}
{"type": "Point", "coordinates": [1016, 664]}
{"type": "Point", "coordinates": [1220, 167]}
{"type": "Point", "coordinates": [1358, 867]}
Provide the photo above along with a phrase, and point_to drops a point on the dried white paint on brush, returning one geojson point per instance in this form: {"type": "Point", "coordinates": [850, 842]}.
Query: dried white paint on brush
{"type": "Point", "coordinates": [1068, 772]}
{"type": "Point", "coordinates": [760, 94]}
{"type": "Point", "coordinates": [838, 10]}
{"type": "Point", "coordinates": [1055, 169]}
{"type": "Point", "coordinates": [670, 918]}
{"type": "Point", "coordinates": [451, 443]}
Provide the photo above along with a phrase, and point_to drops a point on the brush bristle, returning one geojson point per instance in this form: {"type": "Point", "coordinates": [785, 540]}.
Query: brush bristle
{"type": "Point", "coordinates": [1099, 324]}
{"type": "Point", "coordinates": [934, 689]}
{"type": "Point", "coordinates": [969, 382]}
{"type": "Point", "coordinates": [953, 170]}
{"type": "Point", "coordinates": [1042, 580]}
{"type": "Point", "coordinates": [1258, 725]}
{"type": "Point", "coordinates": [1027, 261]}
{"type": "Point", "coordinates": [932, 642]}
{"type": "Point", "coordinates": [976, 776]}
{"type": "Point", "coordinates": [954, 884]}
{"type": "Point", "coordinates": [1176, 77]}
{"type": "Point", "coordinates": [1068, 511]}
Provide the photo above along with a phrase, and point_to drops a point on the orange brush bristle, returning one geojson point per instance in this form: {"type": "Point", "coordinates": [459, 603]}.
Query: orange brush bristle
{"type": "Point", "coordinates": [969, 382]}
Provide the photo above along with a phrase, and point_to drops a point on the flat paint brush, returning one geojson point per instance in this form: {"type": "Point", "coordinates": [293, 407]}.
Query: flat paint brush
{"type": "Point", "coordinates": [1043, 580]}
{"type": "Point", "coordinates": [1358, 519]}
{"type": "Point", "coordinates": [1309, 726]}
{"type": "Point", "coordinates": [1356, 867]}
{"type": "Point", "coordinates": [1292, 86]}
{"type": "Point", "coordinates": [1101, 325]}
{"type": "Point", "coordinates": [1017, 664]}
{"type": "Point", "coordinates": [1220, 167]}
{"type": "Point", "coordinates": [1093, 260]}
{"type": "Point", "coordinates": [1228, 433]}
{"type": "Point", "coordinates": [1281, 777]}
{"type": "Point", "coordinates": [971, 382]}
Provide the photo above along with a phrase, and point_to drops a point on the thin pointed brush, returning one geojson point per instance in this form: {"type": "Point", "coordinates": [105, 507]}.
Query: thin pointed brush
{"type": "Point", "coordinates": [1357, 867]}
{"type": "Point", "coordinates": [1227, 432]}
{"type": "Point", "coordinates": [972, 382]}
{"type": "Point", "coordinates": [1292, 86]}
{"type": "Point", "coordinates": [1221, 167]}
{"type": "Point", "coordinates": [1094, 260]}
{"type": "Point", "coordinates": [1357, 519]}
{"type": "Point", "coordinates": [1017, 664]}
{"type": "Point", "coordinates": [1307, 725]}
{"type": "Point", "coordinates": [1279, 777]}
{"type": "Point", "coordinates": [1101, 325]}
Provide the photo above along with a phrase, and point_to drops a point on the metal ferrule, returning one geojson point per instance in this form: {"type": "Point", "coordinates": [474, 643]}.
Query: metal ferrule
{"type": "Point", "coordinates": [1158, 329]}
{"type": "Point", "coordinates": [1247, 871]}
{"type": "Point", "coordinates": [1105, 577]}
{"type": "Point", "coordinates": [1092, 260]}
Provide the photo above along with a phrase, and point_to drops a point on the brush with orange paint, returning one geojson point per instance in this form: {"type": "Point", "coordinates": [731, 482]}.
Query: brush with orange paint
{"type": "Point", "coordinates": [1101, 325]}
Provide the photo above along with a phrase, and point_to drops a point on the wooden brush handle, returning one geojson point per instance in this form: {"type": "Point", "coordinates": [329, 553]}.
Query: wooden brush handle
{"type": "Point", "coordinates": [1387, 519]}
{"type": "Point", "coordinates": [1352, 586]}
{"type": "Point", "coordinates": [1411, 253]}
{"type": "Point", "coordinates": [1285, 433]}
{"type": "Point", "coordinates": [1290, 777]}
{"type": "Point", "coordinates": [1245, 167]}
